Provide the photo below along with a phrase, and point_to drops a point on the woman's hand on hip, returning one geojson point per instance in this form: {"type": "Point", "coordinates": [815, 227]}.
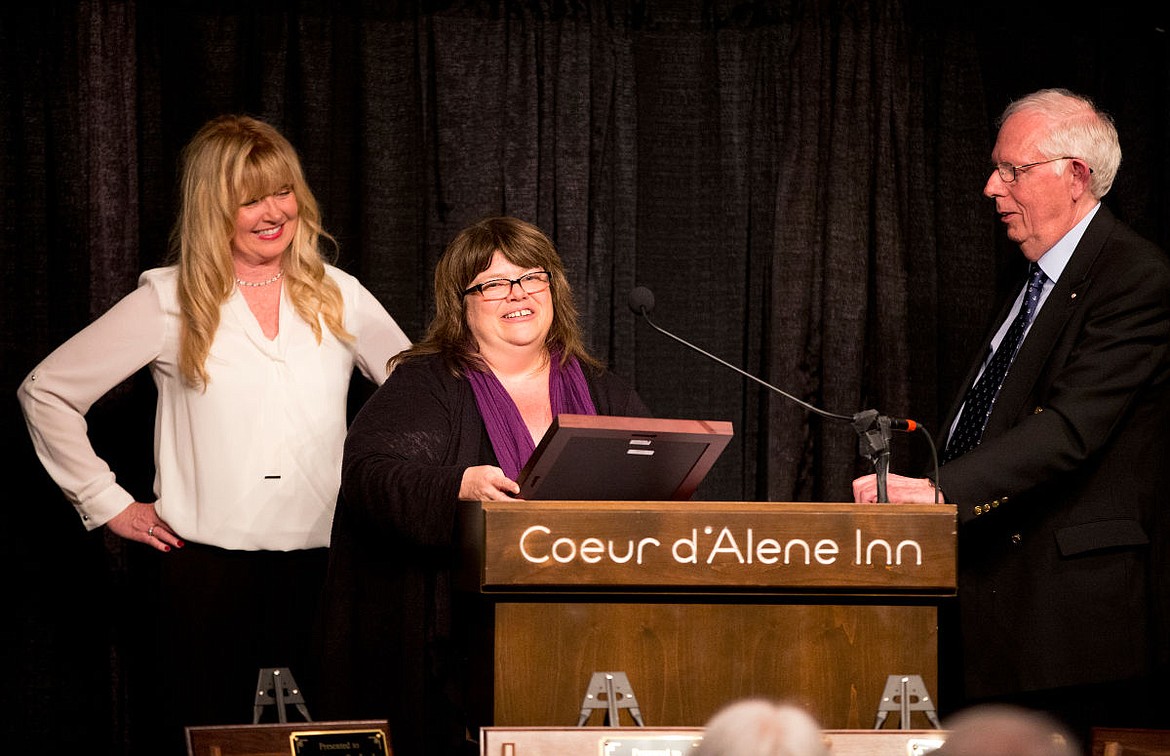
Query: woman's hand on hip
{"type": "Point", "coordinates": [140, 522]}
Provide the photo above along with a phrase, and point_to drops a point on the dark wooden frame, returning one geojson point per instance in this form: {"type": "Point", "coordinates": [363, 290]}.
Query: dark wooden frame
{"type": "Point", "coordinates": [1121, 741]}
{"type": "Point", "coordinates": [269, 739]}
{"type": "Point", "coordinates": [563, 460]}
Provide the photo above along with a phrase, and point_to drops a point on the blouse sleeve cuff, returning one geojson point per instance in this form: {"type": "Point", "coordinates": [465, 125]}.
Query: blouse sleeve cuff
{"type": "Point", "coordinates": [102, 508]}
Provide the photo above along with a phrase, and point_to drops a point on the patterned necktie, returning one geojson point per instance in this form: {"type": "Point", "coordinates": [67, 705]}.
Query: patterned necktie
{"type": "Point", "coordinates": [980, 397]}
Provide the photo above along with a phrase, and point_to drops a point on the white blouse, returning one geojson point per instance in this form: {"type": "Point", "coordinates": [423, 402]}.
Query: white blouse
{"type": "Point", "coordinates": [253, 462]}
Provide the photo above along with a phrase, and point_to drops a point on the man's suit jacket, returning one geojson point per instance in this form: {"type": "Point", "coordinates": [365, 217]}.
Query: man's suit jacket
{"type": "Point", "coordinates": [1062, 507]}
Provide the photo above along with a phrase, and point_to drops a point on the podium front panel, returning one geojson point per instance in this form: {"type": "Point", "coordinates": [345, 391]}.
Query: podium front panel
{"type": "Point", "coordinates": [685, 660]}
{"type": "Point", "coordinates": [702, 603]}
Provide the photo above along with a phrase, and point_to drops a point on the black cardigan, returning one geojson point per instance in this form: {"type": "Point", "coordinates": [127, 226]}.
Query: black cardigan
{"type": "Point", "coordinates": [398, 644]}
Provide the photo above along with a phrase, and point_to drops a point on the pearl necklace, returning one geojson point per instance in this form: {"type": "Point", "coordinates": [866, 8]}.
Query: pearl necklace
{"type": "Point", "coordinates": [255, 284]}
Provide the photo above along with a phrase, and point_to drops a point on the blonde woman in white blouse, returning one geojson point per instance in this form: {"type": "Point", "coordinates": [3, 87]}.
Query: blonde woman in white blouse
{"type": "Point", "coordinates": [251, 339]}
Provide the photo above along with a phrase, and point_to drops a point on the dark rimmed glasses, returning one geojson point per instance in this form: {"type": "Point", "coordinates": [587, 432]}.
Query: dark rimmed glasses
{"type": "Point", "coordinates": [499, 288]}
{"type": "Point", "coordinates": [1009, 173]}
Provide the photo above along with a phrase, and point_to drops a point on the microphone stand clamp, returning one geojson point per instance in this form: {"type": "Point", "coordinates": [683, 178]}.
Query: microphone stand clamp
{"type": "Point", "coordinates": [873, 434]}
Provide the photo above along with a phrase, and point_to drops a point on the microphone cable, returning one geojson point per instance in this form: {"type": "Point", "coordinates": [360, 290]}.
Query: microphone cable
{"type": "Point", "coordinates": [872, 428]}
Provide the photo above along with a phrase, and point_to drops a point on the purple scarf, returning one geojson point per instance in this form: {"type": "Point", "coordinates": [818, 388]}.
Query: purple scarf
{"type": "Point", "coordinates": [567, 392]}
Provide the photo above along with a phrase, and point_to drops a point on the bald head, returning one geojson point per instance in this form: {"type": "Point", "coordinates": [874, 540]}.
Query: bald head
{"type": "Point", "coordinates": [1005, 731]}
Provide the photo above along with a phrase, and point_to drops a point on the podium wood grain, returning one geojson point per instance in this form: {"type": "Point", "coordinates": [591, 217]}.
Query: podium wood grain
{"type": "Point", "coordinates": [692, 636]}
{"type": "Point", "coordinates": [683, 661]}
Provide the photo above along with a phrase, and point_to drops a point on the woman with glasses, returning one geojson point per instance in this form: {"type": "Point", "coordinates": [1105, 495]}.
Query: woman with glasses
{"type": "Point", "coordinates": [456, 420]}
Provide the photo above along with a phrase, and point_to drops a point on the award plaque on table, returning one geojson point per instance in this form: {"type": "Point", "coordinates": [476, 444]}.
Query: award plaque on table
{"type": "Point", "coordinates": [612, 458]}
{"type": "Point", "coordinates": [360, 737]}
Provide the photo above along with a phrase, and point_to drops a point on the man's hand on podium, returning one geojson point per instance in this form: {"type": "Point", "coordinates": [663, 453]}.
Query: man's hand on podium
{"type": "Point", "coordinates": [899, 489]}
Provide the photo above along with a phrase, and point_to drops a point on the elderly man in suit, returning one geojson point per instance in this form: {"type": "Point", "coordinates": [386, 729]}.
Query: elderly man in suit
{"type": "Point", "coordinates": [1055, 455]}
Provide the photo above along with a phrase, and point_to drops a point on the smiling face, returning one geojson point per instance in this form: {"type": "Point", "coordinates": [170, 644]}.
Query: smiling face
{"type": "Point", "coordinates": [264, 228]}
{"type": "Point", "coordinates": [519, 320]}
{"type": "Point", "coordinates": [1040, 206]}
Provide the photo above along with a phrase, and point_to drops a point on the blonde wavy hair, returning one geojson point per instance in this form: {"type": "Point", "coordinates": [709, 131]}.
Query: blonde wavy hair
{"type": "Point", "coordinates": [231, 160]}
{"type": "Point", "coordinates": [469, 254]}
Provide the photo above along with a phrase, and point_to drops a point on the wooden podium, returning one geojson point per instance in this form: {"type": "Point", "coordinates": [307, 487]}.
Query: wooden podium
{"type": "Point", "coordinates": [702, 603]}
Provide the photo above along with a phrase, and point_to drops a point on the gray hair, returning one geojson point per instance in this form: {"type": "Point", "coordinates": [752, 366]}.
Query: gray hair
{"type": "Point", "coordinates": [757, 727]}
{"type": "Point", "coordinates": [1076, 128]}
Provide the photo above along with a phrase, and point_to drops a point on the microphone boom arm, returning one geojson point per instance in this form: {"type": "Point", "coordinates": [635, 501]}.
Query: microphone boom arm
{"type": "Point", "coordinates": [781, 392]}
{"type": "Point", "coordinates": [873, 429]}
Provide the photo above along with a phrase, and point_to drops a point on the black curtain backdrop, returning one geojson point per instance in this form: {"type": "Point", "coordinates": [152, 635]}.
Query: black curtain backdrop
{"type": "Point", "coordinates": [798, 181]}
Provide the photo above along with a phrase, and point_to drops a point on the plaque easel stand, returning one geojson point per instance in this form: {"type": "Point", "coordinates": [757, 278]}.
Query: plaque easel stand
{"type": "Point", "coordinates": [610, 691]}
{"type": "Point", "coordinates": [904, 694]}
{"type": "Point", "coordinates": [276, 687]}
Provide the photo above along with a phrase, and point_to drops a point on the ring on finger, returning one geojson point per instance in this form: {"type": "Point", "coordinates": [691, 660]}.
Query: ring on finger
{"type": "Point", "coordinates": [150, 532]}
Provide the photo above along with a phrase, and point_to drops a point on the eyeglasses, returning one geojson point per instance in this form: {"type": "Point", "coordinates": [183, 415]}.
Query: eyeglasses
{"type": "Point", "coordinates": [1009, 173]}
{"type": "Point", "coordinates": [500, 288]}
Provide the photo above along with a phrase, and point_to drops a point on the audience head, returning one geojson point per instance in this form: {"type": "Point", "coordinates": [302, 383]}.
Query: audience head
{"type": "Point", "coordinates": [758, 727]}
{"type": "Point", "coordinates": [1000, 730]}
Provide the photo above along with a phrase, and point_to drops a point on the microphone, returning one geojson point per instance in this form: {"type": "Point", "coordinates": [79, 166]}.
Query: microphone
{"type": "Point", "coordinates": [873, 429]}
{"type": "Point", "coordinates": [641, 300]}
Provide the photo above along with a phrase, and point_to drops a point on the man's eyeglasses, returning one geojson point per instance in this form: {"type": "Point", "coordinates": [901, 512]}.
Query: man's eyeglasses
{"type": "Point", "coordinates": [500, 288]}
{"type": "Point", "coordinates": [1009, 173]}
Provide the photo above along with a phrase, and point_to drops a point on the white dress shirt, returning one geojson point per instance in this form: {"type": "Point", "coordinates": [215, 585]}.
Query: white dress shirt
{"type": "Point", "coordinates": [254, 461]}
